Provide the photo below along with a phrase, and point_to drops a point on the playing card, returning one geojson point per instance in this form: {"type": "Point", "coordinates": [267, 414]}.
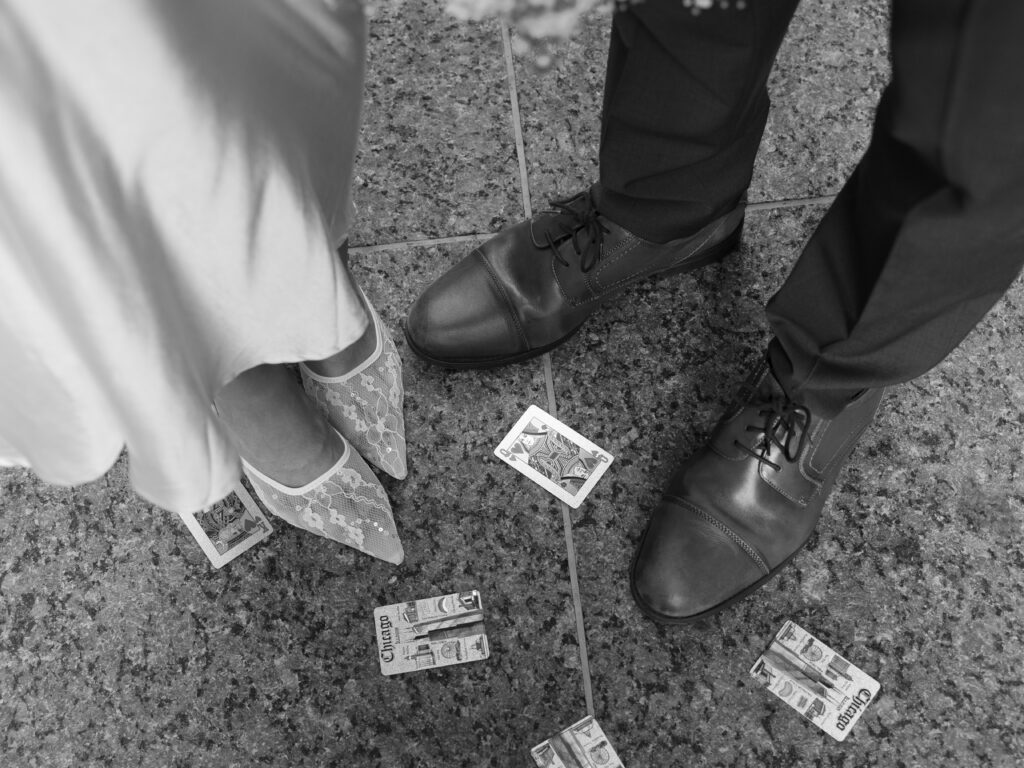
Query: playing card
{"type": "Point", "coordinates": [581, 745]}
{"type": "Point", "coordinates": [228, 528]}
{"type": "Point", "coordinates": [435, 632]}
{"type": "Point", "coordinates": [557, 458]}
{"type": "Point", "coordinates": [815, 680]}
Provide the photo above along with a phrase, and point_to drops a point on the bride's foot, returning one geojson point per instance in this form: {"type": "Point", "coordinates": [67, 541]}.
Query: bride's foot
{"type": "Point", "coordinates": [275, 427]}
{"type": "Point", "coordinates": [364, 401]}
{"type": "Point", "coordinates": [301, 468]}
{"type": "Point", "coordinates": [347, 504]}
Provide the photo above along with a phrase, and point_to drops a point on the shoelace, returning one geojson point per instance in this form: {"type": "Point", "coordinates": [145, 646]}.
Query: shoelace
{"type": "Point", "coordinates": [780, 412]}
{"type": "Point", "coordinates": [584, 229]}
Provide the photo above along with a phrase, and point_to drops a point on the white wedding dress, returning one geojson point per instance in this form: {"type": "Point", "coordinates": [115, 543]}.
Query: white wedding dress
{"type": "Point", "coordinates": [174, 176]}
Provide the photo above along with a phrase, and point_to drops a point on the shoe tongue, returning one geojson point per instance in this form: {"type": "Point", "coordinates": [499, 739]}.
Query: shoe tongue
{"type": "Point", "coordinates": [559, 226]}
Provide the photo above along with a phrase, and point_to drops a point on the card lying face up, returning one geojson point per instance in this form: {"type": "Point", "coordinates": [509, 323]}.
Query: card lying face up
{"type": "Point", "coordinates": [557, 458]}
{"type": "Point", "coordinates": [581, 745]}
{"type": "Point", "coordinates": [435, 632]}
{"type": "Point", "coordinates": [227, 529]}
{"type": "Point", "coordinates": [815, 680]}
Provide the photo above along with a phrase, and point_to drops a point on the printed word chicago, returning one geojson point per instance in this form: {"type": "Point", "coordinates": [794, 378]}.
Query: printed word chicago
{"type": "Point", "coordinates": [387, 641]}
{"type": "Point", "coordinates": [848, 715]}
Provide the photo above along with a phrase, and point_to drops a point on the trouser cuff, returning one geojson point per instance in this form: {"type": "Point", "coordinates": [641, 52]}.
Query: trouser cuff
{"type": "Point", "coordinates": [824, 402]}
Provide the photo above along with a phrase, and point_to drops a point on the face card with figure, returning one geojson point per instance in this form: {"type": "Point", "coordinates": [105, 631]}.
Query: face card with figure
{"type": "Point", "coordinates": [229, 527]}
{"type": "Point", "coordinates": [432, 632]}
{"type": "Point", "coordinates": [557, 458]}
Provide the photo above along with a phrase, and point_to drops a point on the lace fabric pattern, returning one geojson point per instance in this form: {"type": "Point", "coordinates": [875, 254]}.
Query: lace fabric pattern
{"type": "Point", "coordinates": [348, 505]}
{"type": "Point", "coordinates": [366, 405]}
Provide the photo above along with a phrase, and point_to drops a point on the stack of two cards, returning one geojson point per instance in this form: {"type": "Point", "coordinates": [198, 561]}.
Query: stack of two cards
{"type": "Point", "coordinates": [449, 629]}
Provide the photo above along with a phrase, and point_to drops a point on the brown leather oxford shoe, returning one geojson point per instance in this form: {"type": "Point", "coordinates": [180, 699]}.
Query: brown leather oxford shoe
{"type": "Point", "coordinates": [530, 288]}
{"type": "Point", "coordinates": [742, 507]}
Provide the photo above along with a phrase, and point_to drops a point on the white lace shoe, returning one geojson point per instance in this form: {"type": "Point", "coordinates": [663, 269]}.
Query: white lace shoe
{"type": "Point", "coordinates": [365, 405]}
{"type": "Point", "coordinates": [346, 504]}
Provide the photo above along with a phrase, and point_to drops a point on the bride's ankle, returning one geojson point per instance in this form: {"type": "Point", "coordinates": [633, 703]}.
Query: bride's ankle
{"type": "Point", "coordinates": [348, 359]}
{"type": "Point", "coordinates": [352, 356]}
{"type": "Point", "coordinates": [299, 465]}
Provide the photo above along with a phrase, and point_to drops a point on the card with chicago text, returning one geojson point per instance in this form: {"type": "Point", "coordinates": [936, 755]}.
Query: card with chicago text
{"type": "Point", "coordinates": [434, 632]}
{"type": "Point", "coordinates": [815, 680]}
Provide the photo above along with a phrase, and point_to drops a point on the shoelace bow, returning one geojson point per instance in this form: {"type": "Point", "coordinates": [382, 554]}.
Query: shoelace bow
{"type": "Point", "coordinates": [782, 413]}
{"type": "Point", "coordinates": [584, 229]}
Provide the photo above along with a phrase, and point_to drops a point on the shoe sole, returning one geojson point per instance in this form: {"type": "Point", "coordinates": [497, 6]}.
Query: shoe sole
{"type": "Point", "coordinates": [714, 254]}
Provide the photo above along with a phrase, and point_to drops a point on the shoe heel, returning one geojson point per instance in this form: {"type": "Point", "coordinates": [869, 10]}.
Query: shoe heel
{"type": "Point", "coordinates": [712, 255]}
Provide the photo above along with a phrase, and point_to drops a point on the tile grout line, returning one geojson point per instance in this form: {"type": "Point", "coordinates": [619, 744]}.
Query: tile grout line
{"type": "Point", "coordinates": [549, 381]}
{"type": "Point", "coordinates": [796, 202]}
{"type": "Point", "coordinates": [570, 548]}
{"type": "Point", "coordinates": [427, 242]}
{"type": "Point", "coordinates": [517, 125]}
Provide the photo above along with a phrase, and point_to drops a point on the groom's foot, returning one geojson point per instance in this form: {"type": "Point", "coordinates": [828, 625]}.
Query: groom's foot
{"type": "Point", "coordinates": [741, 508]}
{"type": "Point", "coordinates": [530, 288]}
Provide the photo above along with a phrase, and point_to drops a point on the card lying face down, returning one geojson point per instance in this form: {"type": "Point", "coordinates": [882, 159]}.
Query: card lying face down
{"type": "Point", "coordinates": [581, 745]}
{"type": "Point", "coordinates": [815, 680]}
{"type": "Point", "coordinates": [557, 458]}
{"type": "Point", "coordinates": [435, 632]}
{"type": "Point", "coordinates": [227, 529]}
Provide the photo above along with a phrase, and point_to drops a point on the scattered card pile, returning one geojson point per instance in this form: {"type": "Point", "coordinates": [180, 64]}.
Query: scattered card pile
{"type": "Point", "coordinates": [581, 745]}
{"type": "Point", "coordinates": [557, 458]}
{"type": "Point", "coordinates": [227, 529]}
{"type": "Point", "coordinates": [436, 632]}
{"type": "Point", "coordinates": [815, 680]}
{"type": "Point", "coordinates": [441, 631]}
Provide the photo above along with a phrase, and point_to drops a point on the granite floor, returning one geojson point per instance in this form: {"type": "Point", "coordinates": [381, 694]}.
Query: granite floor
{"type": "Point", "coordinates": [121, 646]}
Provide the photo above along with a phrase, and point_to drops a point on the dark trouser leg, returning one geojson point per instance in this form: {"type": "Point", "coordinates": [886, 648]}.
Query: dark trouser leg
{"type": "Point", "coordinates": [928, 233]}
{"type": "Point", "coordinates": [685, 105]}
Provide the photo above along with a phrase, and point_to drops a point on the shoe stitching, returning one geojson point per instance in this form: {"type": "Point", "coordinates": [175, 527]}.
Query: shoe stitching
{"type": "Point", "coordinates": [851, 438]}
{"type": "Point", "coordinates": [802, 501]}
{"type": "Point", "coordinates": [615, 257]}
{"type": "Point", "coordinates": [671, 265]}
{"type": "Point", "coordinates": [729, 532]}
{"type": "Point", "coordinates": [818, 484]}
{"type": "Point", "coordinates": [561, 288]}
{"type": "Point", "coordinates": [608, 260]}
{"type": "Point", "coordinates": [504, 294]}
{"type": "Point", "coordinates": [845, 451]}
{"type": "Point", "coordinates": [819, 430]}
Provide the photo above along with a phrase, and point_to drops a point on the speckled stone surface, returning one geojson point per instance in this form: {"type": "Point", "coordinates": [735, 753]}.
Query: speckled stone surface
{"type": "Point", "coordinates": [827, 78]}
{"type": "Point", "coordinates": [829, 74]}
{"type": "Point", "coordinates": [120, 646]}
{"type": "Point", "coordinates": [561, 109]}
{"type": "Point", "coordinates": [915, 572]}
{"type": "Point", "coordinates": [436, 155]}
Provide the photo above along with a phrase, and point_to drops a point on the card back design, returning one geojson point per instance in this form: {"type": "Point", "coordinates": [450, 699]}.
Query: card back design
{"type": "Point", "coordinates": [581, 745]}
{"type": "Point", "coordinates": [434, 632]}
{"type": "Point", "coordinates": [554, 456]}
{"type": "Point", "coordinates": [229, 527]}
{"type": "Point", "coordinates": [815, 680]}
